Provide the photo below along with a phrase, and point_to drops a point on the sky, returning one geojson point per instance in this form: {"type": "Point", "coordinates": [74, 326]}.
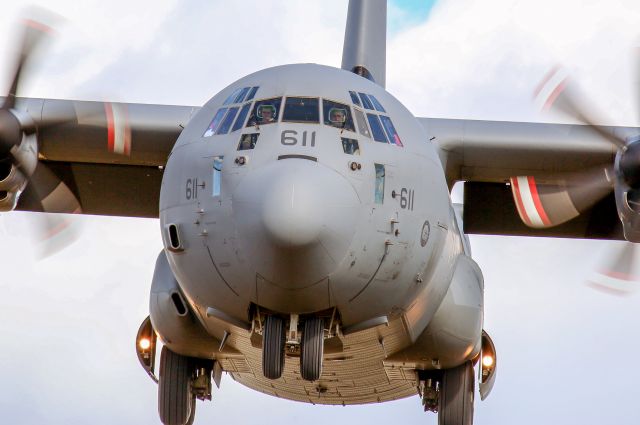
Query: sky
{"type": "Point", "coordinates": [566, 353]}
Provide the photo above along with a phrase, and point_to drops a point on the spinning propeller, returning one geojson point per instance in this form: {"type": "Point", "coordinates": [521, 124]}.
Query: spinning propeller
{"type": "Point", "coordinates": [22, 176]}
{"type": "Point", "coordinates": [552, 200]}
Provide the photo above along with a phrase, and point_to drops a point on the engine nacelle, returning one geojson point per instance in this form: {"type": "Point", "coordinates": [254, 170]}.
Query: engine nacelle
{"type": "Point", "coordinates": [175, 323]}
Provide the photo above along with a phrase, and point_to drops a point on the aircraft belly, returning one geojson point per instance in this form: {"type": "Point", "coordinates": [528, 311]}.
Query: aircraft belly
{"type": "Point", "coordinates": [357, 375]}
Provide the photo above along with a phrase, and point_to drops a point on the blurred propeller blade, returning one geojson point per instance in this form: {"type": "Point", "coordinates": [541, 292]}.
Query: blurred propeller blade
{"type": "Point", "coordinates": [557, 92]}
{"type": "Point", "coordinates": [618, 274]}
{"type": "Point", "coordinates": [56, 230]}
{"type": "Point", "coordinates": [33, 32]}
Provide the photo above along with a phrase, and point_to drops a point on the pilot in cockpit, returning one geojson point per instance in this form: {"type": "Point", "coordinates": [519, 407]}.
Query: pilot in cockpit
{"type": "Point", "coordinates": [266, 114]}
{"type": "Point", "coordinates": [337, 117]}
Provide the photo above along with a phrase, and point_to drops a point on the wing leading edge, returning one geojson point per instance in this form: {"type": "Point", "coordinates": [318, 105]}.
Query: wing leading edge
{"type": "Point", "coordinates": [110, 155]}
{"type": "Point", "coordinates": [488, 156]}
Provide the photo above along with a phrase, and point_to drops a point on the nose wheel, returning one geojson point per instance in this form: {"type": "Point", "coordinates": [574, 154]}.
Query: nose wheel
{"type": "Point", "coordinates": [456, 396]}
{"type": "Point", "coordinates": [176, 401]}
{"type": "Point", "coordinates": [311, 349]}
{"type": "Point", "coordinates": [273, 347]}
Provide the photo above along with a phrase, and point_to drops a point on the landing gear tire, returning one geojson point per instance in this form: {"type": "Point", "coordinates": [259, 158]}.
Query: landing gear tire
{"type": "Point", "coordinates": [455, 405]}
{"type": "Point", "coordinates": [175, 398]}
{"type": "Point", "coordinates": [312, 349]}
{"type": "Point", "coordinates": [273, 339]}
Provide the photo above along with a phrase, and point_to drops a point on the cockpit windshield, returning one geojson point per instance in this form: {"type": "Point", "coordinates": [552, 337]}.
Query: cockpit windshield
{"type": "Point", "coordinates": [301, 109]}
{"type": "Point", "coordinates": [337, 115]}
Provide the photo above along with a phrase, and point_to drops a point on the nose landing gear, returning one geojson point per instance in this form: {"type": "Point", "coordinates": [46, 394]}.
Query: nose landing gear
{"type": "Point", "coordinates": [306, 343]}
{"type": "Point", "coordinates": [182, 380]}
{"type": "Point", "coordinates": [176, 401]}
{"type": "Point", "coordinates": [449, 393]}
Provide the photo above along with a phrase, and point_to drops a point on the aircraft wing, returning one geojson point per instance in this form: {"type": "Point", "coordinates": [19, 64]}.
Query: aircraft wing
{"type": "Point", "coordinates": [110, 155]}
{"type": "Point", "coordinates": [487, 155]}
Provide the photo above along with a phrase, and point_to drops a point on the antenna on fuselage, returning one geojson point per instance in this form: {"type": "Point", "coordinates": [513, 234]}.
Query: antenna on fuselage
{"type": "Point", "coordinates": [365, 40]}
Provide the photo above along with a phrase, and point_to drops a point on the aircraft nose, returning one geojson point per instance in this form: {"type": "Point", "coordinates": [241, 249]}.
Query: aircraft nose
{"type": "Point", "coordinates": [296, 219]}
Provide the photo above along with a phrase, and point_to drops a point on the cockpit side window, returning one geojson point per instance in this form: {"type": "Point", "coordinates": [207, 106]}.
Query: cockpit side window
{"type": "Point", "coordinates": [337, 115]}
{"type": "Point", "coordinates": [252, 93]}
{"type": "Point", "coordinates": [391, 130]}
{"type": "Point", "coordinates": [362, 123]}
{"type": "Point", "coordinates": [376, 129]}
{"type": "Point", "coordinates": [227, 121]}
{"type": "Point", "coordinates": [301, 109]}
{"type": "Point", "coordinates": [265, 112]}
{"type": "Point", "coordinates": [241, 117]}
{"type": "Point", "coordinates": [240, 97]}
{"type": "Point", "coordinates": [229, 100]}
{"type": "Point", "coordinates": [377, 104]}
{"type": "Point", "coordinates": [354, 98]}
{"type": "Point", "coordinates": [215, 122]}
{"type": "Point", "coordinates": [365, 101]}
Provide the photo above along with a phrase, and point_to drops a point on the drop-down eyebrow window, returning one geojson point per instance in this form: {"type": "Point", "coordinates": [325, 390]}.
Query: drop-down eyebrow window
{"type": "Point", "coordinates": [248, 141]}
{"type": "Point", "coordinates": [350, 146]}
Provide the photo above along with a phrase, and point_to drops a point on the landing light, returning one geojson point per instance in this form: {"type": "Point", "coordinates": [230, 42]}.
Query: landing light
{"type": "Point", "coordinates": [487, 361]}
{"type": "Point", "coordinates": [145, 343]}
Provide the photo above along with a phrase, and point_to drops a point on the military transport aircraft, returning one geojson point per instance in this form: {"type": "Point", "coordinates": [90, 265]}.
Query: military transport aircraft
{"type": "Point", "coordinates": [311, 248]}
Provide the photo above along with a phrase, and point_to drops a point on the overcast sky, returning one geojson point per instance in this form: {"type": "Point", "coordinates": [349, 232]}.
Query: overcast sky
{"type": "Point", "coordinates": [567, 353]}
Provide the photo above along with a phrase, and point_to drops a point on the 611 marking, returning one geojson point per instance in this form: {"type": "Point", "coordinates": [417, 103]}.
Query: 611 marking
{"type": "Point", "coordinates": [406, 198]}
{"type": "Point", "coordinates": [191, 188]}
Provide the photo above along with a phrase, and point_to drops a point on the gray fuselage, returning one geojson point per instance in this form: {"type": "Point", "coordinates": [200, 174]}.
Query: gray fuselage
{"type": "Point", "coordinates": [301, 221]}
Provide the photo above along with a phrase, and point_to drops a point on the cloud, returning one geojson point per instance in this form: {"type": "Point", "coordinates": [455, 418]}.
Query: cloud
{"type": "Point", "coordinates": [480, 60]}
